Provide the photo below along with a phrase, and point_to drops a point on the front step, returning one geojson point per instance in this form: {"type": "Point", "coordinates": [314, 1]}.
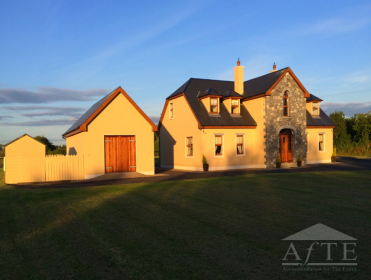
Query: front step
{"type": "Point", "coordinates": [289, 164]}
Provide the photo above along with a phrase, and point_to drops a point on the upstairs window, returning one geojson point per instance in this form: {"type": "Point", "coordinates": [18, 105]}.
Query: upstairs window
{"type": "Point", "coordinates": [235, 106]}
{"type": "Point", "coordinates": [189, 148]}
{"type": "Point", "coordinates": [240, 150]}
{"type": "Point", "coordinates": [321, 139]}
{"type": "Point", "coordinates": [218, 145]}
{"type": "Point", "coordinates": [286, 104]}
{"type": "Point", "coordinates": [213, 105]}
{"type": "Point", "coordinates": [171, 112]}
{"type": "Point", "coordinates": [315, 109]}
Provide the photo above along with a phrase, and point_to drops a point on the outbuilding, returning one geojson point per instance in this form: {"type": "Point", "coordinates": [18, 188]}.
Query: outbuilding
{"type": "Point", "coordinates": [24, 161]}
{"type": "Point", "coordinates": [114, 135]}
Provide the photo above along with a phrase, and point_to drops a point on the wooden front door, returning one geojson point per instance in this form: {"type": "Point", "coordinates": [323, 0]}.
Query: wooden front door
{"type": "Point", "coordinates": [286, 147]}
{"type": "Point", "coordinates": [120, 153]}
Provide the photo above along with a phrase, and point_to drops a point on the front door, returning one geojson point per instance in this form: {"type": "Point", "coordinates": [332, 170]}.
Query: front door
{"type": "Point", "coordinates": [286, 147]}
{"type": "Point", "coordinates": [120, 153]}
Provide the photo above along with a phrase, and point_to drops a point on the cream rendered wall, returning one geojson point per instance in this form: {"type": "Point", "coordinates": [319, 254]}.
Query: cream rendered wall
{"type": "Point", "coordinates": [75, 144]}
{"type": "Point", "coordinates": [25, 161]}
{"type": "Point", "coordinates": [118, 118]}
{"type": "Point", "coordinates": [230, 159]}
{"type": "Point", "coordinates": [227, 104]}
{"type": "Point", "coordinates": [206, 102]}
{"type": "Point", "coordinates": [309, 107]}
{"type": "Point", "coordinates": [173, 133]}
{"type": "Point", "coordinates": [314, 155]}
{"type": "Point", "coordinates": [256, 107]}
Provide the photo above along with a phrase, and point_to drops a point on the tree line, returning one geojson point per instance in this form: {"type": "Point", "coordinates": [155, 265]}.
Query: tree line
{"type": "Point", "coordinates": [51, 149]}
{"type": "Point", "coordinates": [352, 135]}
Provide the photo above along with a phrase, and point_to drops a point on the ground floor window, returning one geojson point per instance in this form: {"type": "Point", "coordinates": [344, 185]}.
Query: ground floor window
{"type": "Point", "coordinates": [240, 150]}
{"type": "Point", "coordinates": [321, 141]}
{"type": "Point", "coordinates": [189, 143]}
{"type": "Point", "coordinates": [218, 145]}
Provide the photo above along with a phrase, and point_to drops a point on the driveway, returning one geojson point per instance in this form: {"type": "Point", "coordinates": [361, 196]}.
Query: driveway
{"type": "Point", "coordinates": [343, 164]}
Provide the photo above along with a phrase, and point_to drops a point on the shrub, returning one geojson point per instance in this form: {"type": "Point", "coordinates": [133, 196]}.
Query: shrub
{"type": "Point", "coordinates": [278, 159]}
{"type": "Point", "coordinates": [299, 159]}
{"type": "Point", "coordinates": [204, 161]}
{"type": "Point", "coordinates": [334, 153]}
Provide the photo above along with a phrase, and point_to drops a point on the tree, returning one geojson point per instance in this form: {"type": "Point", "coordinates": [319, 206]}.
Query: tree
{"type": "Point", "coordinates": [49, 145]}
{"type": "Point", "coordinates": [362, 128]}
{"type": "Point", "coordinates": [341, 136]}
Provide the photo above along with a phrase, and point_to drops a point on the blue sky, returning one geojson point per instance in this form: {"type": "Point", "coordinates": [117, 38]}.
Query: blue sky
{"type": "Point", "coordinates": [57, 58]}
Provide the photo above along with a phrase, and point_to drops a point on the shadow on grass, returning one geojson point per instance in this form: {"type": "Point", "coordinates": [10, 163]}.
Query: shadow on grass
{"type": "Point", "coordinates": [226, 228]}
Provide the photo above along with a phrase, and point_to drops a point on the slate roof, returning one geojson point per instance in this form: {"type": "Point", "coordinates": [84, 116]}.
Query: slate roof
{"type": "Point", "coordinates": [88, 113]}
{"type": "Point", "coordinates": [194, 88]}
{"type": "Point", "coordinates": [321, 120]}
{"type": "Point", "coordinates": [313, 98]}
{"type": "Point", "coordinates": [261, 84]}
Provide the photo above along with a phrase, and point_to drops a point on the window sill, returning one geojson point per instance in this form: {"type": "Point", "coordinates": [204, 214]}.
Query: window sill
{"type": "Point", "coordinates": [214, 115]}
{"type": "Point", "coordinates": [287, 117]}
{"type": "Point", "coordinates": [219, 156]}
{"type": "Point", "coordinates": [189, 156]}
{"type": "Point", "coordinates": [242, 155]}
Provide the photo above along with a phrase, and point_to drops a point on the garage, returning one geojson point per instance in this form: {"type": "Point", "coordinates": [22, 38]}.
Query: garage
{"type": "Point", "coordinates": [120, 153]}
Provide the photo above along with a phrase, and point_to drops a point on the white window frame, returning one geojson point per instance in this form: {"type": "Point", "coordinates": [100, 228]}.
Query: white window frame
{"type": "Point", "coordinates": [324, 142]}
{"type": "Point", "coordinates": [193, 151]}
{"type": "Point", "coordinates": [223, 144]}
{"type": "Point", "coordinates": [238, 106]}
{"type": "Point", "coordinates": [243, 143]}
{"type": "Point", "coordinates": [317, 109]}
{"type": "Point", "coordinates": [171, 117]}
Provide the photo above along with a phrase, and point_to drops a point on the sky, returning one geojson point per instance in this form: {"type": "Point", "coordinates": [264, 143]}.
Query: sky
{"type": "Point", "coordinates": [57, 58]}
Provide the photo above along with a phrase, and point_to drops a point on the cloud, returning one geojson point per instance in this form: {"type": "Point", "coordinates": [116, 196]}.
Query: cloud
{"type": "Point", "coordinates": [336, 26]}
{"type": "Point", "coordinates": [5, 117]}
{"type": "Point", "coordinates": [349, 109]}
{"type": "Point", "coordinates": [39, 123]}
{"type": "Point", "coordinates": [155, 119]}
{"type": "Point", "coordinates": [47, 95]}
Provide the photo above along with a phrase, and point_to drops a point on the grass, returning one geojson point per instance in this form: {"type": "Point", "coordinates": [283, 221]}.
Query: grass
{"type": "Point", "coordinates": [215, 228]}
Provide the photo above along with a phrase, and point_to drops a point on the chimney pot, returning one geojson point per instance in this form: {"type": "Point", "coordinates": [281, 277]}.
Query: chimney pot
{"type": "Point", "coordinates": [274, 66]}
{"type": "Point", "coordinates": [238, 62]}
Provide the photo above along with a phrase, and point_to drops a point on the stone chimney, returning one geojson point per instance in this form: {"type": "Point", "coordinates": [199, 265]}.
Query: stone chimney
{"type": "Point", "coordinates": [274, 68]}
{"type": "Point", "coordinates": [238, 78]}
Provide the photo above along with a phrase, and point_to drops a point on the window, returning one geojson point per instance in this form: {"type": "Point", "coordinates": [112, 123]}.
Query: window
{"type": "Point", "coordinates": [189, 148]}
{"type": "Point", "coordinates": [171, 113]}
{"type": "Point", "coordinates": [286, 104]}
{"type": "Point", "coordinates": [235, 106]}
{"type": "Point", "coordinates": [213, 105]}
{"type": "Point", "coordinates": [315, 109]}
{"type": "Point", "coordinates": [321, 138]}
{"type": "Point", "coordinates": [218, 145]}
{"type": "Point", "coordinates": [240, 150]}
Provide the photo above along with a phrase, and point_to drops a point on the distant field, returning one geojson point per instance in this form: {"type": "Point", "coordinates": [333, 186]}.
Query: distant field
{"type": "Point", "coordinates": [216, 228]}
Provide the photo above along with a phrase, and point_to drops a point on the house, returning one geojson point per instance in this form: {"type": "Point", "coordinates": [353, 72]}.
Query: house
{"type": "Point", "coordinates": [24, 161]}
{"type": "Point", "coordinates": [244, 124]}
{"type": "Point", "coordinates": [114, 135]}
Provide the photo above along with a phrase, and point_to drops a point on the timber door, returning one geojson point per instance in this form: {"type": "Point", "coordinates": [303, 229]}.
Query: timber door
{"type": "Point", "coordinates": [120, 155]}
{"type": "Point", "coordinates": [286, 147]}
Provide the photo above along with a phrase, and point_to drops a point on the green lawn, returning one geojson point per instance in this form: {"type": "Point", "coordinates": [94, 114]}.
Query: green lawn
{"type": "Point", "coordinates": [217, 228]}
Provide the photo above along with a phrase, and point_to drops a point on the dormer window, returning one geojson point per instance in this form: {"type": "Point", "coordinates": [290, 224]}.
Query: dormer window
{"type": "Point", "coordinates": [315, 111]}
{"type": "Point", "coordinates": [286, 104]}
{"type": "Point", "coordinates": [214, 105]}
{"type": "Point", "coordinates": [235, 107]}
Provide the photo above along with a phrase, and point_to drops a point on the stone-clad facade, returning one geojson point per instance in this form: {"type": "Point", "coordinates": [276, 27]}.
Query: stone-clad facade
{"type": "Point", "coordinates": [275, 121]}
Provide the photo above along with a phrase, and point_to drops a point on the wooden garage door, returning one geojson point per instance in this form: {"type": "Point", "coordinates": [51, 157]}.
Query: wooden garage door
{"type": "Point", "coordinates": [120, 153]}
